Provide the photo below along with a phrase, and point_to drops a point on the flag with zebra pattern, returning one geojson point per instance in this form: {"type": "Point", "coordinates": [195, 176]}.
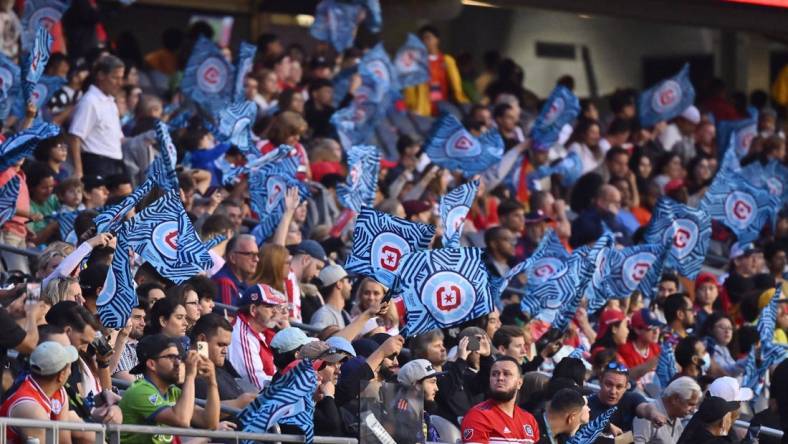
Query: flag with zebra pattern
{"type": "Point", "coordinates": [9, 193]}
{"type": "Point", "coordinates": [118, 295]}
{"type": "Point", "coordinates": [685, 230]}
{"type": "Point", "coordinates": [453, 209]}
{"type": "Point", "coordinates": [361, 184]}
{"type": "Point", "coordinates": [24, 142]}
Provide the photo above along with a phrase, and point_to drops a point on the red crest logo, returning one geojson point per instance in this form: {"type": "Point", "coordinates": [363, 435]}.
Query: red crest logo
{"type": "Point", "coordinates": [448, 297]}
{"type": "Point", "coordinates": [211, 75]}
{"type": "Point", "coordinates": [742, 210]}
{"type": "Point", "coordinates": [463, 143]}
{"type": "Point", "coordinates": [389, 257]}
{"type": "Point", "coordinates": [681, 238]}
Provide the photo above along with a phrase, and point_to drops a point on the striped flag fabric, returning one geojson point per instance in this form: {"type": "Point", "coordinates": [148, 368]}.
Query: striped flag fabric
{"type": "Point", "coordinates": [118, 295]}
{"type": "Point", "coordinates": [412, 62]}
{"type": "Point", "coordinates": [588, 433]}
{"type": "Point", "coordinates": [666, 364]}
{"type": "Point", "coordinates": [736, 136]}
{"type": "Point", "coordinates": [110, 219]}
{"type": "Point", "coordinates": [208, 77]}
{"type": "Point", "coordinates": [24, 142]}
{"type": "Point", "coordinates": [570, 168]}
{"type": "Point", "coordinates": [9, 193]}
{"type": "Point", "coordinates": [36, 62]}
{"type": "Point", "coordinates": [686, 230]}
{"type": "Point", "coordinates": [267, 189]}
{"type": "Point", "coordinates": [453, 209]}
{"type": "Point", "coordinates": [40, 14]}
{"type": "Point", "coordinates": [235, 124]}
{"type": "Point", "coordinates": [451, 146]}
{"type": "Point", "coordinates": [336, 23]}
{"type": "Point", "coordinates": [361, 184]}
{"type": "Point", "coordinates": [561, 108]}
{"type": "Point", "coordinates": [10, 78]}
{"type": "Point", "coordinates": [667, 99]}
{"type": "Point", "coordinates": [243, 67]}
{"type": "Point", "coordinates": [162, 170]}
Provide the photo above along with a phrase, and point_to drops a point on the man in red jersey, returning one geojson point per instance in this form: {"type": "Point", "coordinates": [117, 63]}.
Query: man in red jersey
{"type": "Point", "coordinates": [499, 419]}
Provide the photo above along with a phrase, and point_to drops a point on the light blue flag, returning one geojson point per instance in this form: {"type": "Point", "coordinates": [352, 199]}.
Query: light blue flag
{"type": "Point", "coordinates": [667, 99]}
{"type": "Point", "coordinates": [570, 168]}
{"type": "Point", "coordinates": [380, 240]}
{"type": "Point", "coordinates": [9, 193]}
{"type": "Point", "coordinates": [356, 122]}
{"type": "Point", "coordinates": [377, 61]}
{"type": "Point", "coordinates": [231, 173]}
{"type": "Point", "coordinates": [550, 261]}
{"type": "Point", "coordinates": [65, 221]}
{"type": "Point", "coordinates": [46, 87]}
{"type": "Point", "coordinates": [180, 120]}
{"type": "Point", "coordinates": [443, 288]}
{"type": "Point", "coordinates": [243, 67]}
{"type": "Point", "coordinates": [686, 230]}
{"type": "Point", "coordinates": [162, 169]}
{"type": "Point", "coordinates": [336, 22]}
{"type": "Point", "coordinates": [359, 189]}
{"type": "Point", "coordinates": [36, 62]}
{"type": "Point", "coordinates": [742, 207]}
{"type": "Point", "coordinates": [498, 285]}
{"type": "Point", "coordinates": [342, 84]}
{"type": "Point", "coordinates": [736, 135]}
{"type": "Point", "coordinates": [578, 353]}
{"type": "Point", "coordinates": [235, 125]}
{"type": "Point", "coordinates": [40, 14]}
{"type": "Point", "coordinates": [374, 19]}
{"type": "Point", "coordinates": [588, 433]}
{"type": "Point", "coordinates": [561, 108]}
{"type": "Point", "coordinates": [286, 400]}
{"type": "Point", "coordinates": [632, 268]}
{"type": "Point", "coordinates": [267, 189]}
{"type": "Point", "coordinates": [10, 77]}
{"type": "Point", "coordinates": [24, 142]}
{"type": "Point", "coordinates": [454, 208]}
{"type": "Point", "coordinates": [666, 364]}
{"type": "Point", "coordinates": [412, 62]}
{"type": "Point", "coordinates": [208, 77]}
{"type": "Point", "coordinates": [451, 146]}
{"type": "Point", "coordinates": [771, 353]}
{"type": "Point", "coordinates": [110, 219]}
{"type": "Point", "coordinates": [772, 176]}
{"type": "Point", "coordinates": [118, 295]}
{"type": "Point", "coordinates": [163, 235]}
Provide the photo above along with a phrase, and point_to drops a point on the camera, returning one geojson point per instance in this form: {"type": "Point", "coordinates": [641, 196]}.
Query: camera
{"type": "Point", "coordinates": [101, 344]}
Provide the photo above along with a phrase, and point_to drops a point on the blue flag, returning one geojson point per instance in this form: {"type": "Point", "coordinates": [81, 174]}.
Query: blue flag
{"type": "Point", "coordinates": [374, 18]}
{"type": "Point", "coordinates": [632, 268]}
{"type": "Point", "coordinates": [561, 108]}
{"type": "Point", "coordinates": [162, 170]}
{"type": "Point", "coordinates": [24, 142]}
{"type": "Point", "coordinates": [342, 84]}
{"type": "Point", "coordinates": [771, 352]}
{"type": "Point", "coordinates": [267, 189]}
{"type": "Point", "coordinates": [454, 208]}
{"type": "Point", "coordinates": [666, 364]}
{"type": "Point", "coordinates": [163, 235]}
{"type": "Point", "coordinates": [667, 99]}
{"type": "Point", "coordinates": [336, 22]}
{"type": "Point", "coordinates": [9, 77]}
{"type": "Point", "coordinates": [772, 176]}
{"type": "Point", "coordinates": [377, 61]}
{"type": "Point", "coordinates": [742, 207]}
{"type": "Point", "coordinates": [287, 400]}
{"type": "Point", "coordinates": [362, 180]}
{"type": "Point", "coordinates": [40, 14]}
{"type": "Point", "coordinates": [208, 77]}
{"type": "Point", "coordinates": [243, 67]}
{"type": "Point", "coordinates": [578, 353]}
{"type": "Point", "coordinates": [570, 168]}
{"type": "Point", "coordinates": [498, 285]}
{"type": "Point", "coordinates": [550, 261]}
{"type": "Point", "coordinates": [451, 146]}
{"type": "Point", "coordinates": [235, 124]}
{"type": "Point", "coordinates": [9, 193]}
{"type": "Point", "coordinates": [412, 63]}
{"type": "Point", "coordinates": [35, 62]}
{"type": "Point", "coordinates": [588, 433]}
{"type": "Point", "coordinates": [443, 288]}
{"type": "Point", "coordinates": [65, 221]}
{"type": "Point", "coordinates": [110, 219]}
{"type": "Point", "coordinates": [355, 122]}
{"type": "Point", "coordinates": [119, 295]}
{"type": "Point", "coordinates": [686, 230]}
{"type": "Point", "coordinates": [46, 87]}
{"type": "Point", "coordinates": [181, 120]}
{"type": "Point", "coordinates": [380, 240]}
{"type": "Point", "coordinates": [736, 136]}
{"type": "Point", "coordinates": [231, 173]}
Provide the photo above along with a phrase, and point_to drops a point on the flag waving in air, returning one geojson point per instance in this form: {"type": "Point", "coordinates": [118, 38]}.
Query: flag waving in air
{"type": "Point", "coordinates": [355, 122]}
{"type": "Point", "coordinates": [243, 67]}
{"type": "Point", "coordinates": [772, 176]}
{"type": "Point", "coordinates": [362, 179]}
{"type": "Point", "coordinates": [35, 62]}
{"type": "Point", "coordinates": [118, 295]}
{"type": "Point", "coordinates": [380, 240]}
{"type": "Point", "coordinates": [442, 288]}
{"type": "Point", "coordinates": [336, 22]}
{"type": "Point", "coordinates": [235, 125]}
{"type": "Point", "coordinates": [666, 364]}
{"type": "Point", "coordinates": [377, 62]}
{"type": "Point", "coordinates": [771, 353]}
{"type": "Point", "coordinates": [110, 219]}
{"type": "Point", "coordinates": [632, 268]}
{"type": "Point", "coordinates": [739, 205]}
{"type": "Point", "coordinates": [268, 187]}
{"type": "Point", "coordinates": [162, 170]}
{"type": "Point", "coordinates": [9, 77]}
{"type": "Point", "coordinates": [9, 193]}
{"type": "Point", "coordinates": [736, 136]}
{"type": "Point", "coordinates": [40, 14]}
{"type": "Point", "coordinates": [412, 63]}
{"type": "Point", "coordinates": [453, 147]}
{"type": "Point", "coordinates": [561, 108]}
{"type": "Point", "coordinates": [570, 168]}
{"type": "Point", "coordinates": [287, 400]}
{"type": "Point", "coordinates": [588, 433]}
{"type": "Point", "coordinates": [208, 77]}
{"type": "Point", "coordinates": [667, 99]}
{"type": "Point", "coordinates": [24, 142]}
{"type": "Point", "coordinates": [454, 208]}
{"type": "Point", "coordinates": [686, 231]}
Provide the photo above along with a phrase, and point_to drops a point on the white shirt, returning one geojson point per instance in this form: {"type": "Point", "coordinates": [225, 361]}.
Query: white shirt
{"type": "Point", "coordinates": [218, 263]}
{"type": "Point", "coordinates": [97, 122]}
{"type": "Point", "coordinates": [589, 160]}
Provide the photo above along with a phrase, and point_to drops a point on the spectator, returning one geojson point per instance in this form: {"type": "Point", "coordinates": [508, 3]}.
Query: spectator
{"type": "Point", "coordinates": [308, 260]}
{"type": "Point", "coordinates": [96, 192]}
{"type": "Point", "coordinates": [500, 244]}
{"type": "Point", "coordinates": [717, 332]}
{"type": "Point", "coordinates": [54, 152]}
{"type": "Point", "coordinates": [692, 358]}
{"type": "Point", "coordinates": [590, 223]}
{"type": "Point", "coordinates": [707, 301]}
{"type": "Point", "coordinates": [335, 289]}
{"type": "Point", "coordinates": [679, 315]}
{"type": "Point", "coordinates": [157, 399]}
{"type": "Point", "coordinates": [168, 316]}
{"type": "Point", "coordinates": [612, 332]}
{"type": "Point", "coordinates": [119, 185]}
{"type": "Point", "coordinates": [585, 142]}
{"type": "Point", "coordinates": [418, 378]}
{"type": "Point", "coordinates": [711, 422]}
{"type": "Point", "coordinates": [678, 400]}
{"type": "Point", "coordinates": [566, 412]}
{"type": "Point", "coordinates": [187, 296]}
{"type": "Point", "coordinates": [242, 257]}
{"type": "Point", "coordinates": [641, 351]}
{"type": "Point", "coordinates": [126, 341]}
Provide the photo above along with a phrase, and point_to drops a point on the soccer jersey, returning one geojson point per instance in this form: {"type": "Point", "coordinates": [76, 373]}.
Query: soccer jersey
{"type": "Point", "coordinates": [487, 423]}
{"type": "Point", "coordinates": [30, 391]}
{"type": "Point", "coordinates": [140, 405]}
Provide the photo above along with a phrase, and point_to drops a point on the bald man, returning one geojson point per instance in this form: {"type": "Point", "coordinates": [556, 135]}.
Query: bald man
{"type": "Point", "coordinates": [590, 224]}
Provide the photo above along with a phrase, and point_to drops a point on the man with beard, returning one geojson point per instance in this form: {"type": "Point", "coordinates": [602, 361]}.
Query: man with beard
{"type": "Point", "coordinates": [499, 419]}
{"type": "Point", "coordinates": [309, 258]}
{"type": "Point", "coordinates": [500, 244]}
{"type": "Point", "coordinates": [156, 399]}
{"type": "Point", "coordinates": [127, 339]}
{"type": "Point", "coordinates": [418, 378]}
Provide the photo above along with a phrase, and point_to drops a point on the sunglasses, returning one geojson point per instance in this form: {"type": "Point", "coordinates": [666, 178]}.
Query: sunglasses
{"type": "Point", "coordinates": [617, 367]}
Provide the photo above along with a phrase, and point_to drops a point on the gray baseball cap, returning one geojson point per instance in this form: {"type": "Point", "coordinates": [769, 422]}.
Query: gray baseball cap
{"type": "Point", "coordinates": [416, 371]}
{"type": "Point", "coordinates": [51, 357]}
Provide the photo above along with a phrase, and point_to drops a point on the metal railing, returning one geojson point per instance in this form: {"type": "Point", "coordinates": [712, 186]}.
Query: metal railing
{"type": "Point", "coordinates": [29, 252]}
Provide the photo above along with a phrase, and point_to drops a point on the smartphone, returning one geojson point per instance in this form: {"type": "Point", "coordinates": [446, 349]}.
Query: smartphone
{"type": "Point", "coordinates": [473, 343]}
{"type": "Point", "coordinates": [33, 290]}
{"type": "Point", "coordinates": [202, 348]}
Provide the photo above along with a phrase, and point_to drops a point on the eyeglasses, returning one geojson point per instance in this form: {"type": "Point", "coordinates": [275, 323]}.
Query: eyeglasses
{"type": "Point", "coordinates": [617, 367]}
{"type": "Point", "coordinates": [247, 253]}
{"type": "Point", "coordinates": [192, 302]}
{"type": "Point", "coordinates": [172, 357]}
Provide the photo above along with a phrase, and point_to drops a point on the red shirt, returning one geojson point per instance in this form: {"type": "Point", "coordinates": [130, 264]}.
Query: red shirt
{"type": "Point", "coordinates": [632, 358]}
{"type": "Point", "coordinates": [487, 423]}
{"type": "Point", "coordinates": [30, 391]}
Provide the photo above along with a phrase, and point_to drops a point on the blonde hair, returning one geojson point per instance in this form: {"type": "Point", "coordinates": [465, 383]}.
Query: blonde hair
{"type": "Point", "coordinates": [286, 125]}
{"type": "Point", "coordinates": [56, 289]}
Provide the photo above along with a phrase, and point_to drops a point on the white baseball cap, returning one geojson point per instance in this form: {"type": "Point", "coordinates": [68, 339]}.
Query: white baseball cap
{"type": "Point", "coordinates": [692, 114]}
{"type": "Point", "coordinates": [728, 389]}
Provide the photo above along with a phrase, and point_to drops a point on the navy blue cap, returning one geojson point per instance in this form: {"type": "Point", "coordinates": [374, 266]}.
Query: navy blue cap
{"type": "Point", "coordinates": [311, 248]}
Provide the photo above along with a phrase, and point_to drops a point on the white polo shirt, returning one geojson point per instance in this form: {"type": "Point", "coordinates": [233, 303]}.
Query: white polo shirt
{"type": "Point", "coordinates": [97, 123]}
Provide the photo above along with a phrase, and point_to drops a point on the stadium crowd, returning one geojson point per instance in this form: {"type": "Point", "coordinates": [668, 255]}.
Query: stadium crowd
{"type": "Point", "coordinates": [265, 305]}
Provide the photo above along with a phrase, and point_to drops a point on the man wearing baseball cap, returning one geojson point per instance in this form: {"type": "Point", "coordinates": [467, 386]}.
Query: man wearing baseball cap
{"type": "Point", "coordinates": [309, 258]}
{"type": "Point", "coordinates": [286, 344]}
{"type": "Point", "coordinates": [260, 307]}
{"type": "Point", "coordinates": [41, 395]}
{"type": "Point", "coordinates": [157, 399]}
{"type": "Point", "coordinates": [418, 380]}
{"type": "Point", "coordinates": [711, 422]}
{"type": "Point", "coordinates": [644, 348]}
{"type": "Point", "coordinates": [335, 288]}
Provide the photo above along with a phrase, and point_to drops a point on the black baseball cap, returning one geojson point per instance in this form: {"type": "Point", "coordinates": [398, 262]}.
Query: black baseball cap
{"type": "Point", "coordinates": [93, 277]}
{"type": "Point", "coordinates": [713, 408]}
{"type": "Point", "coordinates": [91, 182]}
{"type": "Point", "coordinates": [150, 347]}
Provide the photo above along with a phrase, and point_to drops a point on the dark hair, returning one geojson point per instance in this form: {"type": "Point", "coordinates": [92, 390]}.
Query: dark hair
{"type": "Point", "coordinates": [42, 150]}
{"type": "Point", "coordinates": [46, 331]}
{"type": "Point", "coordinates": [566, 400]}
{"type": "Point", "coordinates": [707, 329]}
{"type": "Point", "coordinates": [163, 308]}
{"type": "Point", "coordinates": [214, 225]}
{"type": "Point", "coordinates": [316, 84]}
{"type": "Point", "coordinates": [665, 159]}
{"type": "Point", "coordinates": [500, 109]}
{"type": "Point", "coordinates": [172, 38]}
{"type": "Point", "coordinates": [673, 304]}
{"type": "Point", "coordinates": [510, 359]}
{"type": "Point", "coordinates": [619, 126]}
{"type": "Point", "coordinates": [144, 289]}
{"type": "Point", "coordinates": [208, 325]}
{"type": "Point", "coordinates": [620, 99]}
{"type": "Point", "coordinates": [745, 339]}
{"type": "Point", "coordinates": [116, 180]}
{"type": "Point", "coordinates": [566, 81]}
{"type": "Point", "coordinates": [685, 350]}
{"type": "Point", "coordinates": [71, 314]}
{"type": "Point", "coordinates": [615, 151]}
{"type": "Point", "coordinates": [571, 368]}
{"type": "Point", "coordinates": [507, 207]}
{"type": "Point", "coordinates": [670, 277]}
{"type": "Point", "coordinates": [503, 337]}
{"type": "Point", "coordinates": [584, 191]}
{"type": "Point", "coordinates": [428, 29]}
{"type": "Point", "coordinates": [404, 141]}
{"type": "Point", "coordinates": [492, 234]}
{"type": "Point", "coordinates": [418, 346]}
{"type": "Point", "coordinates": [204, 286]}
{"type": "Point", "coordinates": [149, 274]}
{"type": "Point", "coordinates": [84, 222]}
{"type": "Point", "coordinates": [36, 172]}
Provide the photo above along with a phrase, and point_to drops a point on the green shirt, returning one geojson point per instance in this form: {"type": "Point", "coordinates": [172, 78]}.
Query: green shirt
{"type": "Point", "coordinates": [45, 209]}
{"type": "Point", "coordinates": [140, 404]}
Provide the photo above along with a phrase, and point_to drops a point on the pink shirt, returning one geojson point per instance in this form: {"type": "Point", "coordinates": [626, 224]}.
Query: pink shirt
{"type": "Point", "coordinates": [17, 223]}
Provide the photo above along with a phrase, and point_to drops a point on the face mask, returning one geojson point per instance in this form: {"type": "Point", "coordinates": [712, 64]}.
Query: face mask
{"type": "Point", "coordinates": [705, 363]}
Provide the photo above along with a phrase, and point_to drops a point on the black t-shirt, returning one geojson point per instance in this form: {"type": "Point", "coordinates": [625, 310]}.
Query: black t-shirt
{"type": "Point", "coordinates": [544, 430]}
{"type": "Point", "coordinates": [625, 414]}
{"type": "Point", "coordinates": [11, 334]}
{"type": "Point", "coordinates": [225, 379]}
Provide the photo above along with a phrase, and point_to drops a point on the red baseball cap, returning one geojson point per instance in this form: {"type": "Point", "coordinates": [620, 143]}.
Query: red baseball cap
{"type": "Point", "coordinates": [320, 169]}
{"type": "Point", "coordinates": [609, 317]}
{"type": "Point", "coordinates": [705, 277]}
{"type": "Point", "coordinates": [644, 319]}
{"type": "Point", "coordinates": [673, 185]}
